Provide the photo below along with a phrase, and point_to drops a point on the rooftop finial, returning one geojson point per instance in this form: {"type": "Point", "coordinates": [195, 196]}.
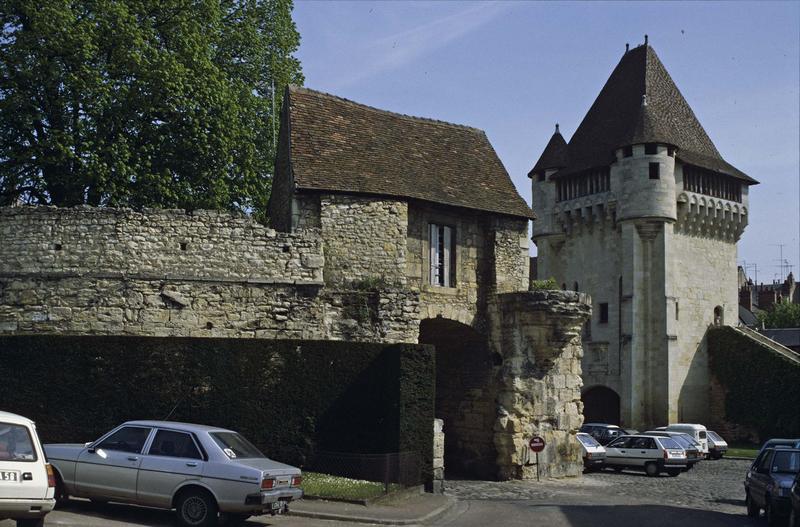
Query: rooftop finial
{"type": "Point", "coordinates": [557, 129]}
{"type": "Point", "coordinates": [645, 40]}
{"type": "Point", "coordinates": [627, 47]}
{"type": "Point", "coordinates": [644, 99]}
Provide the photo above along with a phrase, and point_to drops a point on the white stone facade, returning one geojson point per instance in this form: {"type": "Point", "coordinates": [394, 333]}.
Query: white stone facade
{"type": "Point", "coordinates": [662, 258]}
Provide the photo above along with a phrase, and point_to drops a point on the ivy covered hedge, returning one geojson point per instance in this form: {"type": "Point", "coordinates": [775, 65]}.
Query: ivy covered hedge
{"type": "Point", "coordinates": [763, 388]}
{"type": "Point", "coordinates": [291, 398]}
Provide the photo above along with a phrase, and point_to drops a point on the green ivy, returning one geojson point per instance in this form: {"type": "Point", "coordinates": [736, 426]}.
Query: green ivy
{"type": "Point", "coordinates": [763, 387]}
{"type": "Point", "coordinates": [291, 398]}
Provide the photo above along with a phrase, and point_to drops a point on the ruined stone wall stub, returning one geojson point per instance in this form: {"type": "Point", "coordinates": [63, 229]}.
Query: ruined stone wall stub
{"type": "Point", "coordinates": [537, 336]}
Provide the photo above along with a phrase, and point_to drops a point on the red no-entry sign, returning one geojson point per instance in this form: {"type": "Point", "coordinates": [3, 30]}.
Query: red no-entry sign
{"type": "Point", "coordinates": [536, 443]}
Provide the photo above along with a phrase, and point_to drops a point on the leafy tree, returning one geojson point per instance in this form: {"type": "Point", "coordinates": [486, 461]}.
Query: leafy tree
{"type": "Point", "coordinates": [782, 315]}
{"type": "Point", "coordinates": [164, 103]}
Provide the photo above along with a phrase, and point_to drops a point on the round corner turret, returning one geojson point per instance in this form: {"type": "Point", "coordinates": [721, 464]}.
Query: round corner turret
{"type": "Point", "coordinates": [646, 176]}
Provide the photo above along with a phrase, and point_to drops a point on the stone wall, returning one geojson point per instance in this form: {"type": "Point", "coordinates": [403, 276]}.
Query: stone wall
{"type": "Point", "coordinates": [168, 273]}
{"type": "Point", "coordinates": [537, 336]}
{"type": "Point", "coordinates": [365, 239]}
{"type": "Point", "coordinates": [156, 243]}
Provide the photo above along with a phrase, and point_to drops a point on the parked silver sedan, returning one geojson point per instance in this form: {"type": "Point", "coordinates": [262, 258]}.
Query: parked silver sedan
{"type": "Point", "coordinates": [200, 471]}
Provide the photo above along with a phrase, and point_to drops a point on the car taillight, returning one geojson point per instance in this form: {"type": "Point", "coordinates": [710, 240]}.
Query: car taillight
{"type": "Point", "coordinates": [666, 456]}
{"type": "Point", "coordinates": [267, 483]}
{"type": "Point", "coordinates": [51, 476]}
{"type": "Point", "coordinates": [588, 455]}
{"type": "Point", "coordinates": [296, 481]}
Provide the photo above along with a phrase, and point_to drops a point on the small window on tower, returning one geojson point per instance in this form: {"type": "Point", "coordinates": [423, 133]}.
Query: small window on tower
{"type": "Point", "coordinates": [627, 151]}
{"type": "Point", "coordinates": [604, 313]}
{"type": "Point", "coordinates": [671, 151]}
{"type": "Point", "coordinates": [655, 170]}
{"type": "Point", "coordinates": [650, 149]}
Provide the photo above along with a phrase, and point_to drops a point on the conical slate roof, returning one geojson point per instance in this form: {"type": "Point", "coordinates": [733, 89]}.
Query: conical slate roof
{"type": "Point", "coordinates": [619, 118]}
{"type": "Point", "coordinates": [554, 155]}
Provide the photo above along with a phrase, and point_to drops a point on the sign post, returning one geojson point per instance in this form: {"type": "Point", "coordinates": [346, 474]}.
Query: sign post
{"type": "Point", "coordinates": [537, 445]}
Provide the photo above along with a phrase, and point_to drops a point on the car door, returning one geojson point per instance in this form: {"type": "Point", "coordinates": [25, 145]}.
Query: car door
{"type": "Point", "coordinates": [645, 450]}
{"type": "Point", "coordinates": [760, 479]}
{"type": "Point", "coordinates": [22, 466]}
{"type": "Point", "coordinates": [616, 452]}
{"type": "Point", "coordinates": [108, 469]}
{"type": "Point", "coordinates": [173, 457]}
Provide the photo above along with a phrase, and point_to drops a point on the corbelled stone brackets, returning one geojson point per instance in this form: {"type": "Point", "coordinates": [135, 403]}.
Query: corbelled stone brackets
{"type": "Point", "coordinates": [536, 336]}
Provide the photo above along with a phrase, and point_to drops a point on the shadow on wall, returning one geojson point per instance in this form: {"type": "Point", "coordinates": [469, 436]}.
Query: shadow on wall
{"type": "Point", "coordinates": [465, 396]}
{"type": "Point", "coordinates": [693, 399]}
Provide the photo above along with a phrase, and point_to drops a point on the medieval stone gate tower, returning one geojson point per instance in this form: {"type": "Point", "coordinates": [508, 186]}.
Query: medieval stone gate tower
{"type": "Point", "coordinates": [641, 211]}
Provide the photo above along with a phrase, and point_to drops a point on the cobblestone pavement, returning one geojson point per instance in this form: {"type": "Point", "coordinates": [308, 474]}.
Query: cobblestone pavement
{"type": "Point", "coordinates": [711, 485]}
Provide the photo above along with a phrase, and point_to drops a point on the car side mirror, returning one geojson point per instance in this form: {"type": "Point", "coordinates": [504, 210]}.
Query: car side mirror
{"type": "Point", "coordinates": [90, 447]}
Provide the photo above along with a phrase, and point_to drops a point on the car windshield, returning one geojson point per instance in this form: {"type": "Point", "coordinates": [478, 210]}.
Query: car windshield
{"type": "Point", "coordinates": [682, 441]}
{"type": "Point", "coordinates": [235, 446]}
{"type": "Point", "coordinates": [714, 436]}
{"type": "Point", "coordinates": [588, 440]}
{"type": "Point", "coordinates": [786, 462]}
{"type": "Point", "coordinates": [668, 442]}
{"type": "Point", "coordinates": [689, 439]}
{"type": "Point", "coordinates": [15, 443]}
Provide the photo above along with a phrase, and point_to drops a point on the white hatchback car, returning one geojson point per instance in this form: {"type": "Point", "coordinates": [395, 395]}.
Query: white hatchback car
{"type": "Point", "coordinates": [653, 454]}
{"type": "Point", "coordinates": [27, 481]}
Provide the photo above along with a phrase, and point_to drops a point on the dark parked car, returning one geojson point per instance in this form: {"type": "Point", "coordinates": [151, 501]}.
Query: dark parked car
{"type": "Point", "coordinates": [603, 433]}
{"type": "Point", "coordinates": [769, 481]}
{"type": "Point", "coordinates": [794, 496]}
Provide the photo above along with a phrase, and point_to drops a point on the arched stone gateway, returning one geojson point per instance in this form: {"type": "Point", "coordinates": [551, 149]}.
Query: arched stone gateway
{"type": "Point", "coordinates": [600, 405]}
{"type": "Point", "coordinates": [464, 396]}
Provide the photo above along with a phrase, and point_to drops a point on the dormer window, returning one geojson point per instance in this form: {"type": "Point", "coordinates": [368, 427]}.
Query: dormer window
{"type": "Point", "coordinates": [627, 151]}
{"type": "Point", "coordinates": [442, 255]}
{"type": "Point", "coordinates": [650, 149]}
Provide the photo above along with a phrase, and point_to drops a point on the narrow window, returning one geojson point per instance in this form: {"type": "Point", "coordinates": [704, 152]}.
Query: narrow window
{"type": "Point", "coordinates": [442, 255]}
{"type": "Point", "coordinates": [650, 149]}
{"type": "Point", "coordinates": [627, 151]}
{"type": "Point", "coordinates": [655, 170]}
{"type": "Point", "coordinates": [671, 151]}
{"type": "Point", "coordinates": [677, 310]}
{"type": "Point", "coordinates": [604, 313]}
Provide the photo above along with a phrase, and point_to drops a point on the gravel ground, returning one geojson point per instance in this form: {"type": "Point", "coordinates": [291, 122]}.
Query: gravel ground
{"type": "Point", "coordinates": [711, 485]}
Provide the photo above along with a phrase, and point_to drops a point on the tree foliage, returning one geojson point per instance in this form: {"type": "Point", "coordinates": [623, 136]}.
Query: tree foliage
{"type": "Point", "coordinates": [782, 315]}
{"type": "Point", "coordinates": [164, 103]}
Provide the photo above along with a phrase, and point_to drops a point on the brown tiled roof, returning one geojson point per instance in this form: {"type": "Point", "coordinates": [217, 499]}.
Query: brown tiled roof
{"type": "Point", "coordinates": [342, 146]}
{"type": "Point", "coordinates": [618, 118]}
{"type": "Point", "coordinates": [554, 155]}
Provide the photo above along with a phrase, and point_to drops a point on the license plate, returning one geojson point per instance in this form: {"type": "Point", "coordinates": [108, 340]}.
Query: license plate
{"type": "Point", "coordinates": [9, 476]}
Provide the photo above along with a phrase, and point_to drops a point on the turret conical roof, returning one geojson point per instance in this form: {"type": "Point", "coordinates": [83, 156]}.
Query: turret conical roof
{"type": "Point", "coordinates": [554, 155]}
{"type": "Point", "coordinates": [619, 118]}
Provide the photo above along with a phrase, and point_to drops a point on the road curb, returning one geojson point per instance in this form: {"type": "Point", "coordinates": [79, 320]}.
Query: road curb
{"type": "Point", "coordinates": [433, 515]}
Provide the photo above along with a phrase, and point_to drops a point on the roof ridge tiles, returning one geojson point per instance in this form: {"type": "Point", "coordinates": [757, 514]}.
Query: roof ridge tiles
{"type": "Point", "coordinates": [428, 120]}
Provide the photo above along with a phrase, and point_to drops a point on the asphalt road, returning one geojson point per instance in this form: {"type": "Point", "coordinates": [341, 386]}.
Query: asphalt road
{"type": "Point", "coordinates": [711, 495]}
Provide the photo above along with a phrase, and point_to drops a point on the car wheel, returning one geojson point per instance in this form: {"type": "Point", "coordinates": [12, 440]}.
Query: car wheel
{"type": "Point", "coordinates": [673, 472]}
{"type": "Point", "coordinates": [31, 522]}
{"type": "Point", "coordinates": [752, 509]}
{"type": "Point", "coordinates": [651, 469]}
{"type": "Point", "coordinates": [197, 508]}
{"type": "Point", "coordinates": [61, 495]}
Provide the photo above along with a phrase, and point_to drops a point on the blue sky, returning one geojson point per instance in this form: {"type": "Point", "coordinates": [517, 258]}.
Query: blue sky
{"type": "Point", "coordinates": [514, 69]}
